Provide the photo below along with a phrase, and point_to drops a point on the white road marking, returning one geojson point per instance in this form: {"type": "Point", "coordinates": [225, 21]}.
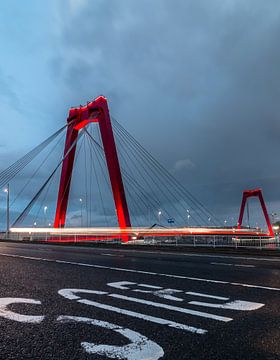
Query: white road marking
{"type": "Point", "coordinates": [243, 265]}
{"type": "Point", "coordinates": [150, 286]}
{"type": "Point", "coordinates": [116, 255]}
{"type": "Point", "coordinates": [218, 263]}
{"type": "Point", "coordinates": [167, 294]}
{"type": "Point", "coordinates": [159, 292]}
{"type": "Point", "coordinates": [237, 265]}
{"type": "Point", "coordinates": [223, 256]}
{"type": "Point", "coordinates": [171, 307]}
{"type": "Point", "coordinates": [121, 284]}
{"type": "Point", "coordinates": [11, 315]}
{"type": "Point", "coordinates": [233, 305]}
{"type": "Point", "coordinates": [69, 293]}
{"type": "Point", "coordinates": [140, 347]}
{"type": "Point", "coordinates": [142, 272]}
{"type": "Point", "coordinates": [257, 258]}
{"type": "Point", "coordinates": [255, 286]}
{"type": "Point", "coordinates": [206, 295]}
{"type": "Point", "coordinates": [97, 251]}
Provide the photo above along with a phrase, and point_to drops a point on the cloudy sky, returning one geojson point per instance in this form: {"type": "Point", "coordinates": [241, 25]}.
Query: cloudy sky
{"type": "Point", "coordinates": [196, 81]}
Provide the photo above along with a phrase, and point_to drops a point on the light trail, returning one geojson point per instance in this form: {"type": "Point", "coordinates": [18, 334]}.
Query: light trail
{"type": "Point", "coordinates": [136, 232]}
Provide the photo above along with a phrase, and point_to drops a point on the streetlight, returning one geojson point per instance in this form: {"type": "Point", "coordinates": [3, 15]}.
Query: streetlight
{"type": "Point", "coordinates": [81, 202]}
{"type": "Point", "coordinates": [159, 213]}
{"type": "Point", "coordinates": [189, 219]}
{"type": "Point", "coordinates": [7, 191]}
{"type": "Point", "coordinates": [225, 222]}
{"type": "Point", "coordinates": [35, 223]}
{"type": "Point", "coordinates": [45, 213]}
{"type": "Point", "coordinates": [274, 216]}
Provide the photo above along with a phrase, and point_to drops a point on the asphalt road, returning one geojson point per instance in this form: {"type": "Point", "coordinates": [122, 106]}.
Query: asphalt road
{"type": "Point", "coordinates": [59, 302]}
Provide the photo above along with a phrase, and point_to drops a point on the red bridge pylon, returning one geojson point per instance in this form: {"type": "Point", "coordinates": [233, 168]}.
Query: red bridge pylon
{"type": "Point", "coordinates": [254, 193]}
{"type": "Point", "coordinates": [96, 111]}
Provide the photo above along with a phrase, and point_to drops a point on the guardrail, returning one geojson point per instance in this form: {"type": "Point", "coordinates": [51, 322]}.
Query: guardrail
{"type": "Point", "coordinates": [213, 241]}
{"type": "Point", "coordinates": [216, 241]}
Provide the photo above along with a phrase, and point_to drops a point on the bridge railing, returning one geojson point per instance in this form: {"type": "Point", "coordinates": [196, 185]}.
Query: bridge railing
{"type": "Point", "coordinates": [211, 241]}
{"type": "Point", "coordinates": [215, 241]}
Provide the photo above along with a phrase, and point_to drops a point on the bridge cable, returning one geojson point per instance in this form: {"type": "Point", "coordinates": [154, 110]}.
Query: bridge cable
{"type": "Point", "coordinates": [160, 168]}
{"type": "Point", "coordinates": [148, 156]}
{"type": "Point", "coordinates": [100, 154]}
{"type": "Point", "coordinates": [97, 180]}
{"type": "Point", "coordinates": [9, 173]}
{"type": "Point", "coordinates": [37, 170]}
{"type": "Point", "coordinates": [155, 175]}
{"type": "Point", "coordinates": [126, 176]}
{"type": "Point", "coordinates": [133, 182]}
{"type": "Point", "coordinates": [160, 182]}
{"type": "Point", "coordinates": [22, 216]}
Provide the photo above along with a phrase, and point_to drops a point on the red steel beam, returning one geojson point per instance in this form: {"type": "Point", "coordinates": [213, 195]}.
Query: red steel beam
{"type": "Point", "coordinates": [95, 111]}
{"type": "Point", "coordinates": [254, 193]}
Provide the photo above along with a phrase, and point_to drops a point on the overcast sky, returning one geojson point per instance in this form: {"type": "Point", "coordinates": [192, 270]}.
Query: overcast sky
{"type": "Point", "coordinates": [196, 81]}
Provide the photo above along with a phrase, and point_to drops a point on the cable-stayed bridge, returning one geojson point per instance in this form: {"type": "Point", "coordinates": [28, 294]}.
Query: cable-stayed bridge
{"type": "Point", "coordinates": [105, 185]}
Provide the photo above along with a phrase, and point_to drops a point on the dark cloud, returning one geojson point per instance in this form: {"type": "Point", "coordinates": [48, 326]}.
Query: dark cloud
{"type": "Point", "coordinates": [195, 80]}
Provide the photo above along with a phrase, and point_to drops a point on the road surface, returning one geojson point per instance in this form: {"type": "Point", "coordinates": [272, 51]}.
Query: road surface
{"type": "Point", "coordinates": [62, 302]}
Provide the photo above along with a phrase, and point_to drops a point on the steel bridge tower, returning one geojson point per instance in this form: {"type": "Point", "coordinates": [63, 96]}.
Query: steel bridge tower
{"type": "Point", "coordinates": [96, 111]}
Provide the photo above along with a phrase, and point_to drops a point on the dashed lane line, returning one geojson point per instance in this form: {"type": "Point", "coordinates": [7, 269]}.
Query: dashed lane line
{"type": "Point", "coordinates": [235, 265]}
{"type": "Point", "coordinates": [188, 254]}
{"type": "Point", "coordinates": [142, 272]}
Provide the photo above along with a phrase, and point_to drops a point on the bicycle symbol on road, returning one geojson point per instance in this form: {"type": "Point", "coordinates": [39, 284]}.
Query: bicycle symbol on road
{"type": "Point", "coordinates": [139, 346]}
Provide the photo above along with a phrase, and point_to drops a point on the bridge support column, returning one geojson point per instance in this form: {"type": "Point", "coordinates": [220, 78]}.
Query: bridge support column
{"type": "Point", "coordinates": [95, 111]}
{"type": "Point", "coordinates": [254, 193]}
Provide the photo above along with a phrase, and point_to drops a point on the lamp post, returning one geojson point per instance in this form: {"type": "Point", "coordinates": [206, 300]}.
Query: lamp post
{"type": "Point", "coordinates": [188, 217]}
{"type": "Point", "coordinates": [159, 214]}
{"type": "Point", "coordinates": [45, 213]}
{"type": "Point", "coordinates": [7, 191]}
{"type": "Point", "coordinates": [274, 216]}
{"type": "Point", "coordinates": [81, 202]}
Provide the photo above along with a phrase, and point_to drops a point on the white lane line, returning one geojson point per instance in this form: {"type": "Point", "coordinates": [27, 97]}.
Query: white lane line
{"type": "Point", "coordinates": [156, 290]}
{"type": "Point", "coordinates": [258, 258]}
{"type": "Point", "coordinates": [223, 256]}
{"type": "Point", "coordinates": [207, 295]}
{"type": "Point", "coordinates": [150, 286]}
{"type": "Point", "coordinates": [222, 264]}
{"type": "Point", "coordinates": [144, 317]}
{"type": "Point", "coordinates": [171, 307]}
{"type": "Point", "coordinates": [255, 286]}
{"type": "Point", "coordinates": [243, 265]}
{"type": "Point", "coordinates": [236, 265]}
{"type": "Point", "coordinates": [122, 285]}
{"type": "Point", "coordinates": [116, 255]}
{"type": "Point", "coordinates": [143, 272]}
{"type": "Point", "coordinates": [71, 294]}
{"type": "Point", "coordinates": [233, 305]}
